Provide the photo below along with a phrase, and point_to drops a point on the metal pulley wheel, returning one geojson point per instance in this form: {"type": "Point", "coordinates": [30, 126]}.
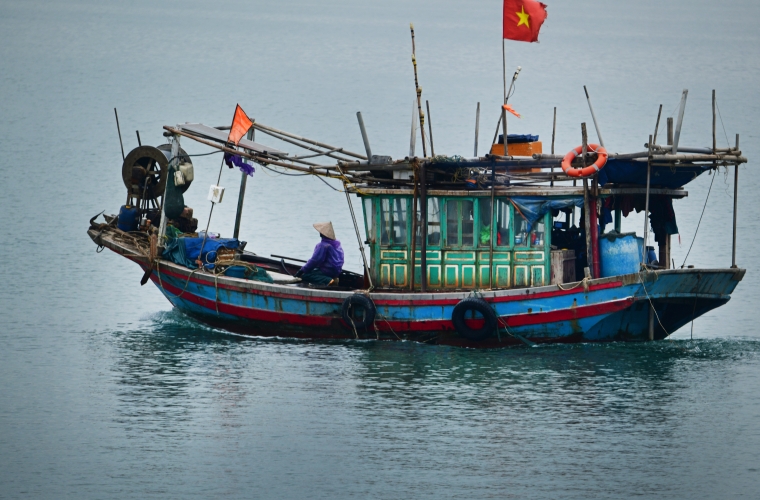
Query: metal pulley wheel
{"type": "Point", "coordinates": [145, 170]}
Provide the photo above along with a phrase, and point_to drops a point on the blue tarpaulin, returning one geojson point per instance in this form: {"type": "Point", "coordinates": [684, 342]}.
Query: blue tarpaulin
{"type": "Point", "coordinates": [533, 208]}
{"type": "Point", "coordinates": [635, 172]}
{"type": "Point", "coordinates": [185, 251]}
{"type": "Point", "coordinates": [517, 138]}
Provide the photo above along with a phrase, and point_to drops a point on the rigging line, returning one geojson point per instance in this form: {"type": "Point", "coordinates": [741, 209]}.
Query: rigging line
{"type": "Point", "coordinates": [203, 154]}
{"type": "Point", "coordinates": [700, 220]}
{"type": "Point", "coordinates": [283, 173]}
{"type": "Point", "coordinates": [728, 144]}
{"type": "Point", "coordinates": [327, 183]}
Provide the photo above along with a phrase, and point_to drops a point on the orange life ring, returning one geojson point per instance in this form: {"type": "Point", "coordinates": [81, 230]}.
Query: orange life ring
{"type": "Point", "coordinates": [600, 162]}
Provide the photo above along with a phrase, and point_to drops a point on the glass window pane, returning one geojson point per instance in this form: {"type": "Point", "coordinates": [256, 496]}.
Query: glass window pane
{"type": "Point", "coordinates": [399, 221]}
{"type": "Point", "coordinates": [521, 231]}
{"type": "Point", "coordinates": [434, 222]}
{"type": "Point", "coordinates": [468, 223]}
{"type": "Point", "coordinates": [502, 223]}
{"type": "Point", "coordinates": [452, 223]}
{"type": "Point", "coordinates": [538, 234]}
{"type": "Point", "coordinates": [484, 209]}
{"type": "Point", "coordinates": [369, 218]}
{"type": "Point", "coordinates": [385, 221]}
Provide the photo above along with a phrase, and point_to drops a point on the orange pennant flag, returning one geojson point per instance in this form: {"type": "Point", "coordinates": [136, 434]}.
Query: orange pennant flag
{"type": "Point", "coordinates": [240, 125]}
{"type": "Point", "coordinates": [509, 108]}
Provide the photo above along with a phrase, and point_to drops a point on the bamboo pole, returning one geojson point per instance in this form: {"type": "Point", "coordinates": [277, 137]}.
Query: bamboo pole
{"type": "Point", "coordinates": [364, 136]}
{"type": "Point", "coordinates": [593, 117]}
{"type": "Point", "coordinates": [477, 127]}
{"type": "Point", "coordinates": [736, 195]}
{"type": "Point", "coordinates": [681, 110]}
{"type": "Point", "coordinates": [657, 125]}
{"type": "Point", "coordinates": [430, 128]}
{"type": "Point", "coordinates": [586, 203]}
{"type": "Point", "coordinates": [646, 207]}
{"type": "Point", "coordinates": [554, 131]}
{"type": "Point", "coordinates": [241, 194]}
{"type": "Point", "coordinates": [358, 235]}
{"type": "Point", "coordinates": [713, 121]}
{"type": "Point", "coordinates": [423, 250]}
{"type": "Point", "coordinates": [418, 89]}
{"type": "Point", "coordinates": [490, 250]}
{"type": "Point", "coordinates": [266, 128]}
{"type": "Point", "coordinates": [414, 231]}
{"type": "Point", "coordinates": [413, 136]}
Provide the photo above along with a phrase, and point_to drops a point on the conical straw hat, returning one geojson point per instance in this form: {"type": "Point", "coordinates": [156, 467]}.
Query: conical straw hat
{"type": "Point", "coordinates": [325, 229]}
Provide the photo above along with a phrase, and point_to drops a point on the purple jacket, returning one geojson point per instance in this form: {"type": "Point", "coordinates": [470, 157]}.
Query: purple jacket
{"type": "Point", "coordinates": [328, 258]}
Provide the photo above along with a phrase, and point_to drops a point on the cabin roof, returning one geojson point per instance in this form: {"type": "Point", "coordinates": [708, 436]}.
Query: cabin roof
{"type": "Point", "coordinates": [549, 191]}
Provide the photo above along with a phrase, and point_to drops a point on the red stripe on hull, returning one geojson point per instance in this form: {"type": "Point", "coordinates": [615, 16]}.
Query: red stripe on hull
{"type": "Point", "coordinates": [440, 325]}
{"type": "Point", "coordinates": [391, 302]}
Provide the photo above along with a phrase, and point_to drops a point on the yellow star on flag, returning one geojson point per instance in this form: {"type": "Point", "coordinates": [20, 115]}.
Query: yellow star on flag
{"type": "Point", "coordinates": [523, 18]}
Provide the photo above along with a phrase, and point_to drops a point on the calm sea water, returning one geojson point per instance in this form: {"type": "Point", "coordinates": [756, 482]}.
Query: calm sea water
{"type": "Point", "coordinates": [105, 392]}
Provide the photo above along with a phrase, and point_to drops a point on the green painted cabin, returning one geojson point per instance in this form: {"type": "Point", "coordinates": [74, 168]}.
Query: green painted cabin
{"type": "Point", "coordinates": [458, 236]}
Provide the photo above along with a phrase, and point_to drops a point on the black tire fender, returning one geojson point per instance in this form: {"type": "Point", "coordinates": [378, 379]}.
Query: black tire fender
{"type": "Point", "coordinates": [479, 306]}
{"type": "Point", "coordinates": [364, 302]}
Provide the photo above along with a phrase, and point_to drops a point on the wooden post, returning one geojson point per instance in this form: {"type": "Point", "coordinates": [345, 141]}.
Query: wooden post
{"type": "Point", "coordinates": [657, 125]}
{"type": "Point", "coordinates": [418, 89]}
{"type": "Point", "coordinates": [554, 130]}
{"type": "Point", "coordinates": [493, 202]}
{"type": "Point", "coordinates": [430, 128]}
{"type": "Point", "coordinates": [677, 137]}
{"type": "Point", "coordinates": [736, 194]}
{"type": "Point", "coordinates": [477, 127]}
{"type": "Point", "coordinates": [593, 117]}
{"type": "Point", "coordinates": [587, 204]}
{"type": "Point", "coordinates": [356, 228]}
{"type": "Point", "coordinates": [364, 136]}
{"type": "Point", "coordinates": [646, 202]}
{"type": "Point", "coordinates": [413, 137]}
{"type": "Point", "coordinates": [713, 123]}
{"type": "Point", "coordinates": [423, 250]}
{"type": "Point", "coordinates": [241, 195]}
{"type": "Point", "coordinates": [162, 224]}
{"type": "Point", "coordinates": [414, 229]}
{"type": "Point", "coordinates": [670, 131]}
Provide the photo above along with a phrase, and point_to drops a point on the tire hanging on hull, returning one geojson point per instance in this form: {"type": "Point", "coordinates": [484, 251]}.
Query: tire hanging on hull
{"type": "Point", "coordinates": [484, 309]}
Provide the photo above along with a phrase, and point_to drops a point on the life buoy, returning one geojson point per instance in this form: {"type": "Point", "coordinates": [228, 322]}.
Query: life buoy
{"type": "Point", "coordinates": [480, 306]}
{"type": "Point", "coordinates": [359, 301]}
{"type": "Point", "coordinates": [599, 164]}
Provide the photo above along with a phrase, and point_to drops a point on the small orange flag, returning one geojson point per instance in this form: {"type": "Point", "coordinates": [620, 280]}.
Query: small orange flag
{"type": "Point", "coordinates": [509, 108]}
{"type": "Point", "coordinates": [240, 125]}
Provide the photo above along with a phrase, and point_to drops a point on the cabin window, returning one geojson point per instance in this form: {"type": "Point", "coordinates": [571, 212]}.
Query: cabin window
{"type": "Point", "coordinates": [434, 222]}
{"type": "Point", "coordinates": [534, 238]}
{"type": "Point", "coordinates": [369, 217]}
{"type": "Point", "coordinates": [393, 218]}
{"type": "Point", "coordinates": [502, 222]}
{"type": "Point", "coordinates": [460, 223]}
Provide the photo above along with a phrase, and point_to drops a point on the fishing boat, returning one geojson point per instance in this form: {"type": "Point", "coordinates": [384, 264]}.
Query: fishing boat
{"type": "Point", "coordinates": [483, 251]}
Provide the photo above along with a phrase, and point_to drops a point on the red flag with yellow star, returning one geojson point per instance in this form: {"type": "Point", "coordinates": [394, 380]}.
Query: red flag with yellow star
{"type": "Point", "coordinates": [523, 19]}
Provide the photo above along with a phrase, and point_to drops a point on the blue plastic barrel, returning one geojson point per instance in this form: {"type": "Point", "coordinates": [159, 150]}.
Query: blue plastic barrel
{"type": "Point", "coordinates": [129, 218]}
{"type": "Point", "coordinates": [620, 253]}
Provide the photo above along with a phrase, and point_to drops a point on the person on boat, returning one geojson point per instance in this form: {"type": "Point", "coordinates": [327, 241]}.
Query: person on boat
{"type": "Point", "coordinates": [326, 263]}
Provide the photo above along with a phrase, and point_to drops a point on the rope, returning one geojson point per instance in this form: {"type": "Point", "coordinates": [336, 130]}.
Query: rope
{"type": "Point", "coordinates": [700, 221]}
{"type": "Point", "coordinates": [728, 144]}
{"type": "Point", "coordinates": [651, 304]}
